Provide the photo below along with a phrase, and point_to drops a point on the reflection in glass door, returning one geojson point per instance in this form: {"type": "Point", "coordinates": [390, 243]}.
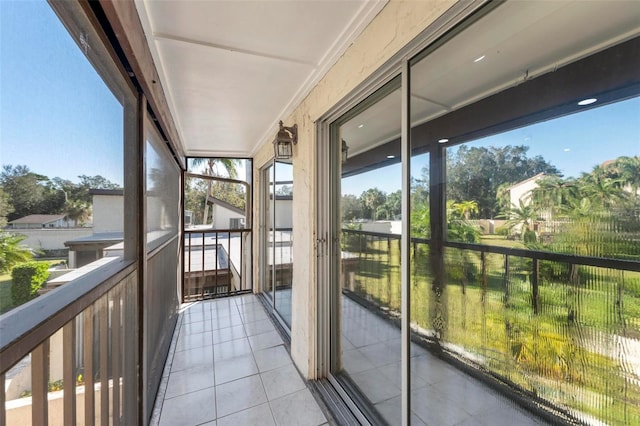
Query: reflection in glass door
{"type": "Point", "coordinates": [277, 238]}
{"type": "Point", "coordinates": [365, 345]}
{"type": "Point", "coordinates": [283, 239]}
{"type": "Point", "coordinates": [266, 235]}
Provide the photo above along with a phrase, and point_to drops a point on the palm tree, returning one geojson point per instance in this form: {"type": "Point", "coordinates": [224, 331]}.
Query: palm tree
{"type": "Point", "coordinates": [77, 210]}
{"type": "Point", "coordinates": [553, 194]}
{"type": "Point", "coordinates": [629, 170]}
{"type": "Point", "coordinates": [464, 209]}
{"type": "Point", "coordinates": [601, 190]}
{"type": "Point", "coordinates": [12, 252]}
{"type": "Point", "coordinates": [213, 168]}
{"type": "Point", "coordinates": [520, 217]}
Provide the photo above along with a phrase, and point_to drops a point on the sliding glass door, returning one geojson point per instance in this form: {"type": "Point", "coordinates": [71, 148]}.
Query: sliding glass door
{"type": "Point", "coordinates": [483, 227]}
{"type": "Point", "coordinates": [278, 238]}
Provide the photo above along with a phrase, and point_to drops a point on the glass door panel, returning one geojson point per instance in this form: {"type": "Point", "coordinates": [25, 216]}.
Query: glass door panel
{"type": "Point", "coordinates": [366, 352]}
{"type": "Point", "coordinates": [283, 239]}
{"type": "Point", "coordinates": [268, 244]}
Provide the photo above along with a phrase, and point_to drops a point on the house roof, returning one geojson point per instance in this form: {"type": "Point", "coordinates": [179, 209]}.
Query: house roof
{"type": "Point", "coordinates": [536, 177]}
{"type": "Point", "coordinates": [39, 219]}
{"type": "Point", "coordinates": [228, 206]}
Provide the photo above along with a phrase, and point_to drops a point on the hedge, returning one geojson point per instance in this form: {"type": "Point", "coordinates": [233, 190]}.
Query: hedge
{"type": "Point", "coordinates": [27, 278]}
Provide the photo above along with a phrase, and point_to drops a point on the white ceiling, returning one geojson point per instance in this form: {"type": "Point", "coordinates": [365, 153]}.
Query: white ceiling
{"type": "Point", "coordinates": [520, 40]}
{"type": "Point", "coordinates": [232, 69]}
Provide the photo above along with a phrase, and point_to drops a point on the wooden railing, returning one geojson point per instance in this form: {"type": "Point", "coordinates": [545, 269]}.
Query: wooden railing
{"type": "Point", "coordinates": [71, 356]}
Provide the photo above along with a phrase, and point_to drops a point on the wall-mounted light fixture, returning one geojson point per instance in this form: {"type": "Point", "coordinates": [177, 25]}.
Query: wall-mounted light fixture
{"type": "Point", "coordinates": [345, 152]}
{"type": "Point", "coordinates": [284, 141]}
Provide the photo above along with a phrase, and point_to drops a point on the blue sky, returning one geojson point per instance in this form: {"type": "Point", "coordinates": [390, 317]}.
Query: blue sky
{"type": "Point", "coordinates": [58, 117]}
{"type": "Point", "coordinates": [574, 144]}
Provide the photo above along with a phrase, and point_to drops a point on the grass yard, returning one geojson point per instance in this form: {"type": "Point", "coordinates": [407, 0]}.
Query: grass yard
{"type": "Point", "coordinates": [549, 353]}
{"type": "Point", "coordinates": [6, 301]}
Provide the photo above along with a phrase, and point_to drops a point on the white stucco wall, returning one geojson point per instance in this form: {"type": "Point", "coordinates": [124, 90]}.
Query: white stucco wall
{"type": "Point", "coordinates": [108, 213]}
{"type": "Point", "coordinates": [53, 238]}
{"type": "Point", "coordinates": [222, 217]}
{"type": "Point", "coordinates": [395, 26]}
{"type": "Point", "coordinates": [522, 192]}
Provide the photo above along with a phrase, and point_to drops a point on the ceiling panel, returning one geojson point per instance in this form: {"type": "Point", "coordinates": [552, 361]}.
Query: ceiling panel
{"type": "Point", "coordinates": [225, 99]}
{"type": "Point", "coordinates": [232, 69]}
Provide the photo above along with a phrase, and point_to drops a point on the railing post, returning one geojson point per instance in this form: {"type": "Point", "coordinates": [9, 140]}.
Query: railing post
{"type": "Point", "coordinates": [69, 379]}
{"type": "Point", "coordinates": [483, 260]}
{"type": "Point", "coordinates": [534, 286]}
{"type": "Point", "coordinates": [89, 387]}
{"type": "Point", "coordinates": [104, 359]}
{"type": "Point", "coordinates": [204, 277]}
{"type": "Point", "coordinates": [229, 261]}
{"type": "Point", "coordinates": [40, 384]}
{"type": "Point", "coordinates": [507, 275]}
{"type": "Point", "coordinates": [115, 354]}
{"type": "Point", "coordinates": [241, 259]}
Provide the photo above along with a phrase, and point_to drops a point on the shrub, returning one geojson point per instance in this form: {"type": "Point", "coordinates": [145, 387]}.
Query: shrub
{"type": "Point", "coordinates": [27, 279]}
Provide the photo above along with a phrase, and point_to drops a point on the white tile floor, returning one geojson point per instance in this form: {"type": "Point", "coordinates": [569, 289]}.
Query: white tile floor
{"type": "Point", "coordinates": [229, 366]}
{"type": "Point", "coordinates": [441, 394]}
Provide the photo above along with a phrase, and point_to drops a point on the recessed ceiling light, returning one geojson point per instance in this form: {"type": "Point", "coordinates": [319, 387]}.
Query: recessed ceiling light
{"type": "Point", "coordinates": [478, 59]}
{"type": "Point", "coordinates": [361, 126]}
{"type": "Point", "coordinates": [587, 101]}
{"type": "Point", "coordinates": [443, 140]}
{"type": "Point", "coordinates": [391, 156]}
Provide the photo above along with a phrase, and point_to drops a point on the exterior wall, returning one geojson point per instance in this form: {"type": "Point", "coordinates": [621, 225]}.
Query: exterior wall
{"type": "Point", "coordinates": [52, 238]}
{"type": "Point", "coordinates": [395, 26]}
{"type": "Point", "coordinates": [222, 217]}
{"type": "Point", "coordinates": [522, 192]}
{"type": "Point", "coordinates": [108, 213]}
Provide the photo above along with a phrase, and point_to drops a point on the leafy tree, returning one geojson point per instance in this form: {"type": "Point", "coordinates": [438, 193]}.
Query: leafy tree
{"type": "Point", "coordinates": [521, 218]}
{"type": "Point", "coordinates": [80, 191]}
{"type": "Point", "coordinates": [351, 208]}
{"type": "Point", "coordinates": [476, 173]}
{"type": "Point", "coordinates": [393, 204]}
{"type": "Point", "coordinates": [12, 252]}
{"type": "Point", "coordinates": [5, 208]}
{"type": "Point", "coordinates": [30, 193]}
{"type": "Point", "coordinates": [195, 193]}
{"type": "Point", "coordinates": [371, 199]}
{"type": "Point", "coordinates": [284, 190]}
{"type": "Point", "coordinates": [220, 167]}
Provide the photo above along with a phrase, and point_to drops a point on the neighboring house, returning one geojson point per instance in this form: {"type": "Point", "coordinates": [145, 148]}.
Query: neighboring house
{"type": "Point", "coordinates": [39, 221]}
{"type": "Point", "coordinates": [47, 233]}
{"type": "Point", "coordinates": [521, 191]}
{"type": "Point", "coordinates": [108, 210]}
{"type": "Point", "coordinates": [226, 215]}
{"type": "Point", "coordinates": [108, 228]}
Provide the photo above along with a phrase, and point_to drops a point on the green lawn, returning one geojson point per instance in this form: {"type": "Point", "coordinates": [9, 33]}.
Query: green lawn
{"type": "Point", "coordinates": [493, 318]}
{"type": "Point", "coordinates": [6, 302]}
